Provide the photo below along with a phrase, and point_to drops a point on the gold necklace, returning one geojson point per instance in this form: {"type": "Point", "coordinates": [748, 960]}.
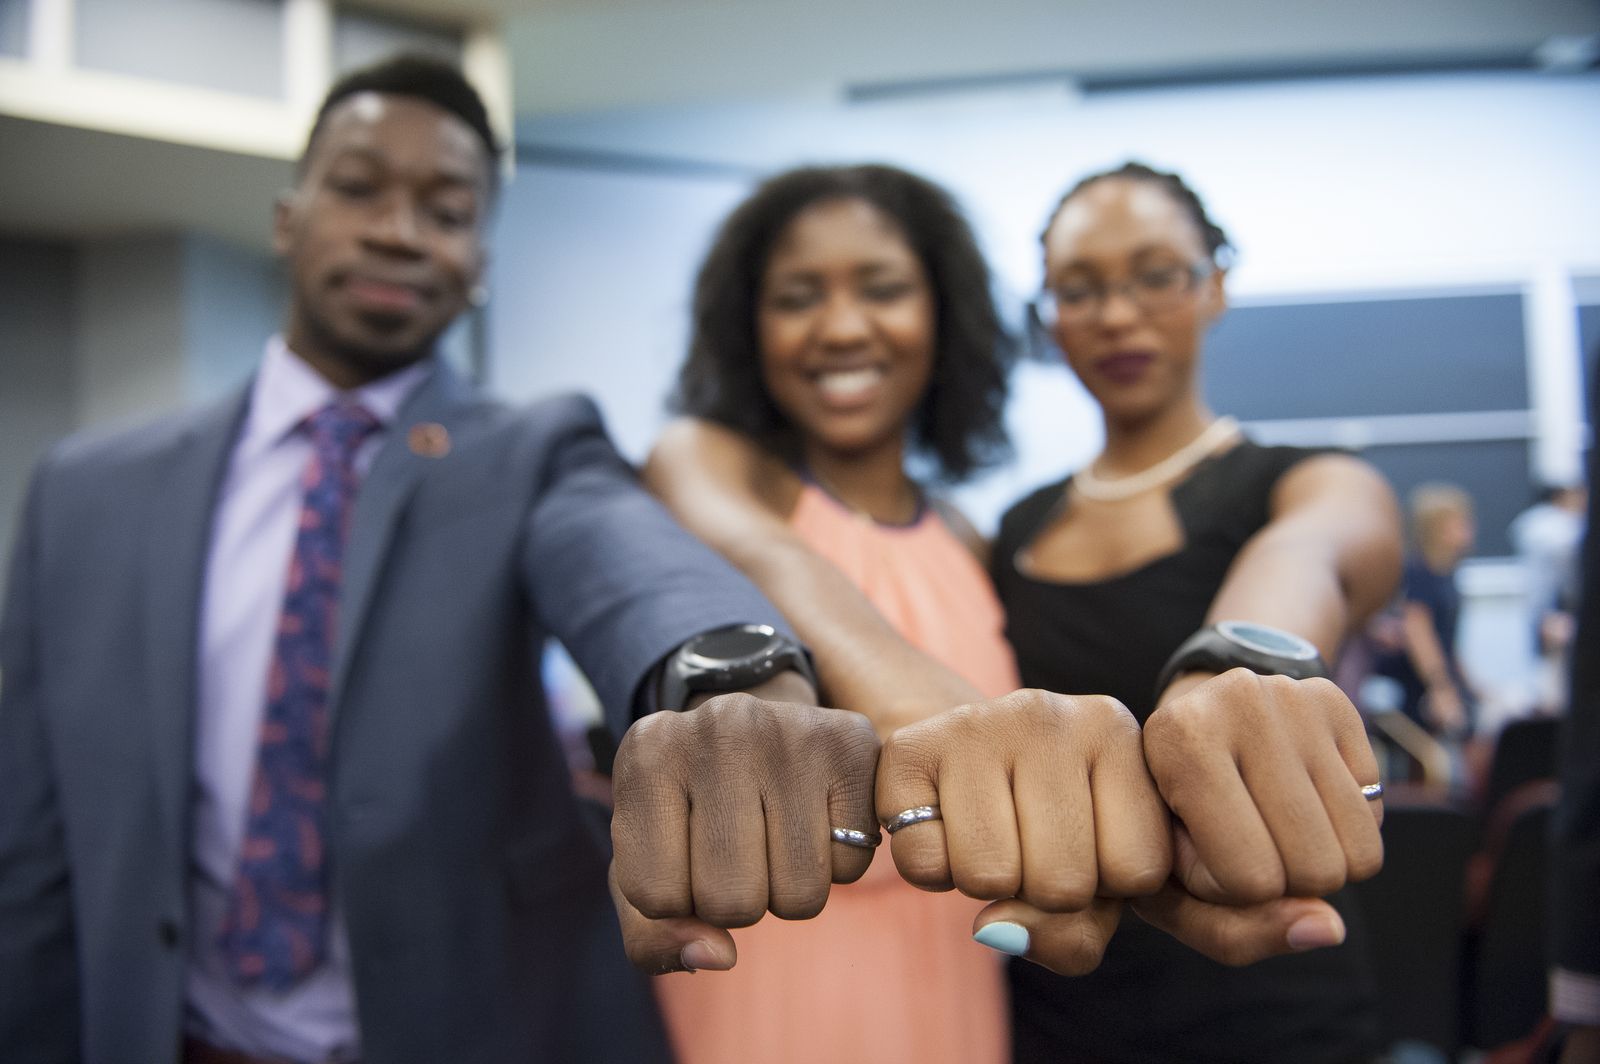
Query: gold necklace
{"type": "Point", "coordinates": [1115, 489]}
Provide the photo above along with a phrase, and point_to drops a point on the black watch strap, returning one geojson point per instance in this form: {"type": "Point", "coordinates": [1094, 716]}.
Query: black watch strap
{"type": "Point", "coordinates": [731, 658]}
{"type": "Point", "coordinates": [1244, 644]}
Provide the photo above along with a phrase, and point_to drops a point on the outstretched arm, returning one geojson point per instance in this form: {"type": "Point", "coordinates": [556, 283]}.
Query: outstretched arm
{"type": "Point", "coordinates": [1264, 773]}
{"type": "Point", "coordinates": [727, 490]}
{"type": "Point", "coordinates": [1327, 560]}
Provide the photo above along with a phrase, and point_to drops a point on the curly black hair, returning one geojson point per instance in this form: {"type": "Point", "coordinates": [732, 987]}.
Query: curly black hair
{"type": "Point", "coordinates": [420, 76]}
{"type": "Point", "coordinates": [959, 422]}
{"type": "Point", "coordinates": [1218, 246]}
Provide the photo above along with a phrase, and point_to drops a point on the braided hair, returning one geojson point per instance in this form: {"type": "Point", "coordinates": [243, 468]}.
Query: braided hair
{"type": "Point", "coordinates": [1218, 246]}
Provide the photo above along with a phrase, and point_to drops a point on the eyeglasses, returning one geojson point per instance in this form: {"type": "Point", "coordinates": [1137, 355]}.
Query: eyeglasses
{"type": "Point", "coordinates": [1151, 290]}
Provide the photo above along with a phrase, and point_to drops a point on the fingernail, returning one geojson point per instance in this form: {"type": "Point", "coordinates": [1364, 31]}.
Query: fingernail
{"type": "Point", "coordinates": [697, 955]}
{"type": "Point", "coordinates": [1003, 936]}
{"type": "Point", "coordinates": [1315, 932]}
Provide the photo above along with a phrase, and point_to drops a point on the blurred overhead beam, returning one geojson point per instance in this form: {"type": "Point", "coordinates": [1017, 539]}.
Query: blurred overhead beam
{"type": "Point", "coordinates": [572, 56]}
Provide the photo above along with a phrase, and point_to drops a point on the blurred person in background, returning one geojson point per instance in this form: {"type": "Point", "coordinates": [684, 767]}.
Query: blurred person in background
{"type": "Point", "coordinates": [1200, 579]}
{"type": "Point", "coordinates": [1438, 693]}
{"type": "Point", "coordinates": [276, 783]}
{"type": "Point", "coordinates": [1547, 536]}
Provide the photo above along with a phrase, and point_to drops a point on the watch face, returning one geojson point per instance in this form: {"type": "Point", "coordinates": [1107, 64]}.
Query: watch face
{"type": "Point", "coordinates": [1265, 640]}
{"type": "Point", "coordinates": [734, 644]}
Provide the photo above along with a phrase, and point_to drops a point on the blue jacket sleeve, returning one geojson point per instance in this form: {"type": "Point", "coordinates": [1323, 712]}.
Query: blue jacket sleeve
{"type": "Point", "coordinates": [615, 578]}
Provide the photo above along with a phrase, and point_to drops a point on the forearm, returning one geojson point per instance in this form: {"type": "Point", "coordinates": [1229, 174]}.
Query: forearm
{"type": "Point", "coordinates": [863, 664]}
{"type": "Point", "coordinates": [1288, 587]}
{"type": "Point", "coordinates": [1325, 562]}
{"type": "Point", "coordinates": [1303, 576]}
{"type": "Point", "coordinates": [730, 494]}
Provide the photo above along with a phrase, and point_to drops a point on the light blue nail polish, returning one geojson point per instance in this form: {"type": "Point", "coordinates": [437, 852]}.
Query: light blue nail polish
{"type": "Point", "coordinates": [1004, 936]}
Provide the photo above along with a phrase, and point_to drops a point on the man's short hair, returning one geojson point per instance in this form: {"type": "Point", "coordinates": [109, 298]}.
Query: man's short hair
{"type": "Point", "coordinates": [420, 76]}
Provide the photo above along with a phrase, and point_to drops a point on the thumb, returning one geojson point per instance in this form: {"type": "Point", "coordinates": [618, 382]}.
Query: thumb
{"type": "Point", "coordinates": [1065, 943]}
{"type": "Point", "coordinates": [672, 944]}
{"type": "Point", "coordinates": [1239, 935]}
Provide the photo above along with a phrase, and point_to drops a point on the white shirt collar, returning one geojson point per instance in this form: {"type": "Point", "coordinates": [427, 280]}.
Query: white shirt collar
{"type": "Point", "coordinates": [287, 390]}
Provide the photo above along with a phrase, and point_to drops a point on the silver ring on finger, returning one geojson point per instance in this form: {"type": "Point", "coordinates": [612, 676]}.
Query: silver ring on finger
{"type": "Point", "coordinates": [1372, 792]}
{"type": "Point", "coordinates": [861, 840]}
{"type": "Point", "coordinates": [917, 814]}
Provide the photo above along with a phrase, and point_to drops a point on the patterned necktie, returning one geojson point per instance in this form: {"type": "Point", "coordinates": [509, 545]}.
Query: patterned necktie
{"type": "Point", "coordinates": [275, 930]}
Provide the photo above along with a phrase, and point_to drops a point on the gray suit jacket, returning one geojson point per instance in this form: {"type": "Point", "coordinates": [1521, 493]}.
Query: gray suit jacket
{"type": "Point", "coordinates": [473, 883]}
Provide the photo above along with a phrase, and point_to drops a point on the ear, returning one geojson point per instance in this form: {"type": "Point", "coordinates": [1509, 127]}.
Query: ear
{"type": "Point", "coordinates": [283, 221]}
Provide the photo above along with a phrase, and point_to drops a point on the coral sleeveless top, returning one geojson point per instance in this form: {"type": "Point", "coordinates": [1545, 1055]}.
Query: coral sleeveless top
{"type": "Point", "coordinates": [887, 974]}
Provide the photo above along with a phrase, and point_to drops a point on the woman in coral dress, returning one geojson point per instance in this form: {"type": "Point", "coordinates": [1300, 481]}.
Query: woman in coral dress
{"type": "Point", "coordinates": [843, 326]}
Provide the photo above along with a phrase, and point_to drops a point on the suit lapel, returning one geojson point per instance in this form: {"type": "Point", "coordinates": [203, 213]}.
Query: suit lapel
{"type": "Point", "coordinates": [176, 544]}
{"type": "Point", "coordinates": [379, 504]}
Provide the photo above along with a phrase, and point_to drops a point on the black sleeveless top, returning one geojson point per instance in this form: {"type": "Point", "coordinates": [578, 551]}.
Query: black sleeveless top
{"type": "Point", "coordinates": [1153, 1000]}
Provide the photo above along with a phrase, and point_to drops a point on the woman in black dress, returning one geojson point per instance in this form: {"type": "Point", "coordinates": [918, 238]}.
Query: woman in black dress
{"type": "Point", "coordinates": [1178, 524]}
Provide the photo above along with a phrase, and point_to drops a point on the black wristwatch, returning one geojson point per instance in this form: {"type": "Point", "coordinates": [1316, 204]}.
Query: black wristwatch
{"type": "Point", "coordinates": [1257, 647]}
{"type": "Point", "coordinates": [730, 659]}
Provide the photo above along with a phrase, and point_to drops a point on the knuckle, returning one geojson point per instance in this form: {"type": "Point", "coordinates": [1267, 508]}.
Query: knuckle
{"type": "Point", "coordinates": [1016, 720]}
{"type": "Point", "coordinates": [646, 745]}
{"type": "Point", "coordinates": [1107, 710]}
{"type": "Point", "coordinates": [1278, 686]}
{"type": "Point", "coordinates": [1240, 682]}
{"type": "Point", "coordinates": [850, 735]}
{"type": "Point", "coordinates": [1043, 707]}
{"type": "Point", "coordinates": [1365, 863]}
{"type": "Point", "coordinates": [911, 742]}
{"type": "Point", "coordinates": [987, 883]}
{"type": "Point", "coordinates": [1323, 688]}
{"type": "Point", "coordinates": [793, 903]}
{"type": "Point", "coordinates": [925, 871]}
{"type": "Point", "coordinates": [1068, 893]}
{"type": "Point", "coordinates": [1134, 882]}
{"type": "Point", "coordinates": [731, 908]}
{"type": "Point", "coordinates": [1316, 880]}
{"type": "Point", "coordinates": [659, 901]}
{"type": "Point", "coordinates": [1261, 882]}
{"type": "Point", "coordinates": [1182, 721]}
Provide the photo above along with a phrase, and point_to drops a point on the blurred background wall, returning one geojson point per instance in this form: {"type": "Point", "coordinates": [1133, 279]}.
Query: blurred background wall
{"type": "Point", "coordinates": [1411, 189]}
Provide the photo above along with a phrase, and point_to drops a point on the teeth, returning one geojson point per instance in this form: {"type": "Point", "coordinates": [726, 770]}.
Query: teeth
{"type": "Point", "coordinates": [848, 383]}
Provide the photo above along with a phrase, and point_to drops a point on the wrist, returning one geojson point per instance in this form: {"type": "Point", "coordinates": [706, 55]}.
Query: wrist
{"type": "Point", "coordinates": [787, 686]}
{"type": "Point", "coordinates": [1225, 645]}
{"type": "Point", "coordinates": [740, 657]}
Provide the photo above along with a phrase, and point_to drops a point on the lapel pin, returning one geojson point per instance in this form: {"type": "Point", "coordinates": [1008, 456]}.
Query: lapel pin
{"type": "Point", "coordinates": [429, 439]}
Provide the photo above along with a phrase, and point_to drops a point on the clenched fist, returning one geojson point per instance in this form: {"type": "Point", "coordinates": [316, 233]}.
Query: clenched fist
{"type": "Point", "coordinates": [725, 813]}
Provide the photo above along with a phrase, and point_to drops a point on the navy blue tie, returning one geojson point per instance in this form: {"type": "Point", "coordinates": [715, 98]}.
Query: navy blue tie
{"type": "Point", "coordinates": [275, 930]}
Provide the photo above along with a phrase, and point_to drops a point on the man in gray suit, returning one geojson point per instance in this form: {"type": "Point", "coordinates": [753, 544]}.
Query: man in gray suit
{"type": "Point", "coordinates": [247, 816]}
